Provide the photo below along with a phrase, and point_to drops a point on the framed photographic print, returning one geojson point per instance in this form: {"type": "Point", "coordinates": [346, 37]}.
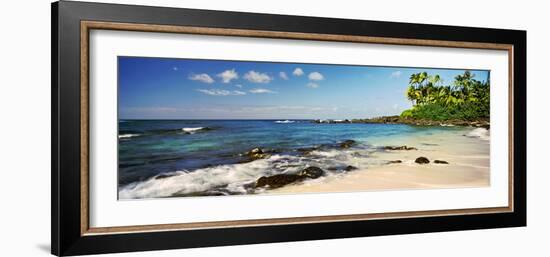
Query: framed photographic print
{"type": "Point", "coordinates": [177, 128]}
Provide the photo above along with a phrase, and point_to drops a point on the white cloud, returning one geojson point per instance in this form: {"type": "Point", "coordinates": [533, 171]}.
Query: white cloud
{"type": "Point", "coordinates": [257, 77]}
{"type": "Point", "coordinates": [221, 92]}
{"type": "Point", "coordinates": [283, 75]}
{"type": "Point", "coordinates": [205, 78]}
{"type": "Point", "coordinates": [312, 85]}
{"type": "Point", "coordinates": [298, 72]}
{"type": "Point", "coordinates": [228, 75]}
{"type": "Point", "coordinates": [261, 91]}
{"type": "Point", "coordinates": [239, 85]}
{"type": "Point", "coordinates": [316, 76]}
{"type": "Point", "coordinates": [175, 68]}
{"type": "Point", "coordinates": [395, 74]}
{"type": "Point", "coordinates": [395, 106]}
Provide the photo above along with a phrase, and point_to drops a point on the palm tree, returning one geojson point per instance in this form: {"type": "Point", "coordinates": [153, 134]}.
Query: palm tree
{"type": "Point", "coordinates": [464, 83]}
{"type": "Point", "coordinates": [465, 98]}
{"type": "Point", "coordinates": [411, 94]}
{"type": "Point", "coordinates": [416, 91]}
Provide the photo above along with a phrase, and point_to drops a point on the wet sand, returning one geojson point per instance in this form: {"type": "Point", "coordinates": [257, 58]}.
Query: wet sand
{"type": "Point", "coordinates": [468, 166]}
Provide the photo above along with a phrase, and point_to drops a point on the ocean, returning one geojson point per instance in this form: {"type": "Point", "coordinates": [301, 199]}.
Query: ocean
{"type": "Point", "coordinates": [167, 158]}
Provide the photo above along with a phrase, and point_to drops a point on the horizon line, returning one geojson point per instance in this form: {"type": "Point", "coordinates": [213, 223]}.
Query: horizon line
{"type": "Point", "coordinates": [258, 118]}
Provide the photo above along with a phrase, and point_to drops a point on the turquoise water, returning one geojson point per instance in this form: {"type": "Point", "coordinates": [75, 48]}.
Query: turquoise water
{"type": "Point", "coordinates": [210, 154]}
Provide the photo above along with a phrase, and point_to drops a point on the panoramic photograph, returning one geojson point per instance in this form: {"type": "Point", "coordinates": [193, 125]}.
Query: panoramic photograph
{"type": "Point", "coordinates": [198, 128]}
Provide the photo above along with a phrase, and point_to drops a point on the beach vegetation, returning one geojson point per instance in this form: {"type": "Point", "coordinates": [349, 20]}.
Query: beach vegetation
{"type": "Point", "coordinates": [466, 98]}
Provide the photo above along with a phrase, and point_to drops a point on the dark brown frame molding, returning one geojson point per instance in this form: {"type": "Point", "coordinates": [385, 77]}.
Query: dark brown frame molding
{"type": "Point", "coordinates": [71, 26]}
{"type": "Point", "coordinates": [87, 26]}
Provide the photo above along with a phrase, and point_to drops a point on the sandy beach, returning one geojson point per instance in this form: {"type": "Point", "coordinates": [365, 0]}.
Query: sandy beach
{"type": "Point", "coordinates": [300, 157]}
{"type": "Point", "coordinates": [467, 155]}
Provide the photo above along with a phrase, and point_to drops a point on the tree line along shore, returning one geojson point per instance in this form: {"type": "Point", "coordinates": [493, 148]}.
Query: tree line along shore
{"type": "Point", "coordinates": [462, 102]}
{"type": "Point", "coordinates": [396, 119]}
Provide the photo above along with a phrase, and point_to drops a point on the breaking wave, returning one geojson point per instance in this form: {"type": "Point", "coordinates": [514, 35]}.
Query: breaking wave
{"type": "Point", "coordinates": [192, 129]}
{"type": "Point", "coordinates": [233, 179]}
{"type": "Point", "coordinates": [480, 133]}
{"type": "Point", "coordinates": [127, 136]}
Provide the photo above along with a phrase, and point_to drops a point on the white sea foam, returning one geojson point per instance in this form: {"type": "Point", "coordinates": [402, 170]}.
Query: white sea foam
{"type": "Point", "coordinates": [330, 153]}
{"type": "Point", "coordinates": [284, 121]}
{"type": "Point", "coordinates": [480, 133]}
{"type": "Point", "coordinates": [192, 130]}
{"type": "Point", "coordinates": [233, 176]}
{"type": "Point", "coordinates": [237, 178]}
{"type": "Point", "coordinates": [127, 135]}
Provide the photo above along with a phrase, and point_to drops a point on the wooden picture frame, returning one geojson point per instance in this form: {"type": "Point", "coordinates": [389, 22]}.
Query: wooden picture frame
{"type": "Point", "coordinates": [71, 25]}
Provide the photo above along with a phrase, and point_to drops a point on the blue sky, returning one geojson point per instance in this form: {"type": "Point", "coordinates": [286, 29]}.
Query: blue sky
{"type": "Point", "coordinates": [164, 88]}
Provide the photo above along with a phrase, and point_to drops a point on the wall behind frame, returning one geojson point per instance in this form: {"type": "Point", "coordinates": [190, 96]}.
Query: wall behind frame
{"type": "Point", "coordinates": [25, 130]}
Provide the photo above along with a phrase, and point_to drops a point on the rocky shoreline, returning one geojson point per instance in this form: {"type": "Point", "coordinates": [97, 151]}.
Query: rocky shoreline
{"type": "Point", "coordinates": [480, 123]}
{"type": "Point", "coordinates": [313, 172]}
{"type": "Point", "coordinates": [392, 158]}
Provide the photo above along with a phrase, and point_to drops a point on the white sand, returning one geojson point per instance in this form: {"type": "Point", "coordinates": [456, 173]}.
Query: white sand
{"type": "Point", "coordinates": [468, 167]}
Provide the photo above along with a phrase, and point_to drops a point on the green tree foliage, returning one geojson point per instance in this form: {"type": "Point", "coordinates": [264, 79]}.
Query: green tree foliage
{"type": "Point", "coordinates": [466, 98]}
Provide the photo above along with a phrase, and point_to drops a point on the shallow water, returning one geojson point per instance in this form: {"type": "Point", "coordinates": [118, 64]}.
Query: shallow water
{"type": "Point", "coordinates": [163, 158]}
